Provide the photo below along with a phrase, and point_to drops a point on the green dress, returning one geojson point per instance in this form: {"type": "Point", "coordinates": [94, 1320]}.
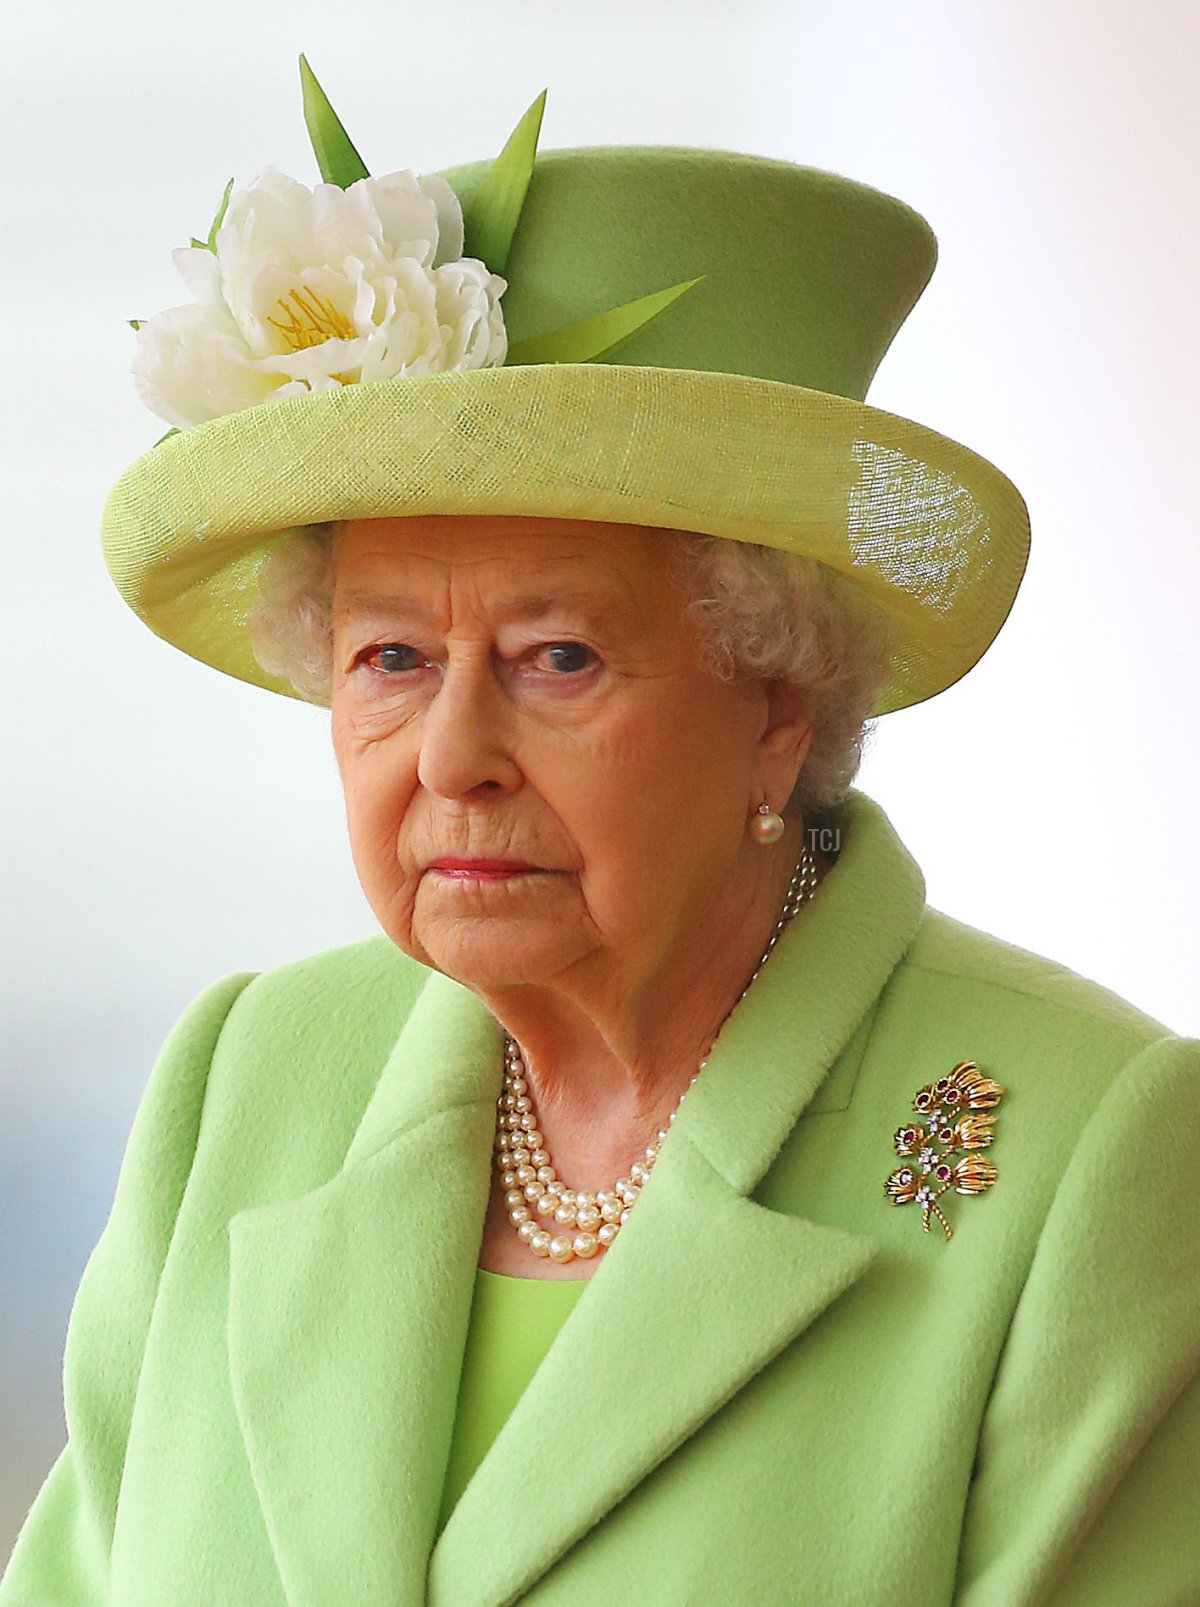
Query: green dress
{"type": "Point", "coordinates": [513, 1324]}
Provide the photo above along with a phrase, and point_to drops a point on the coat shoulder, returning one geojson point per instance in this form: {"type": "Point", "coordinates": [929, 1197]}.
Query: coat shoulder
{"type": "Point", "coordinates": [946, 948]}
{"type": "Point", "coordinates": [960, 993]}
{"type": "Point", "coordinates": [358, 994]}
{"type": "Point", "coordinates": [299, 1057]}
{"type": "Point", "coordinates": [370, 968]}
{"type": "Point", "coordinates": [349, 1002]}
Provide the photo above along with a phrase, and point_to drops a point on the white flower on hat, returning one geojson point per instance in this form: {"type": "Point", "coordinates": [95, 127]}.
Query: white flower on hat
{"type": "Point", "coordinates": [357, 279]}
{"type": "Point", "coordinates": [307, 289]}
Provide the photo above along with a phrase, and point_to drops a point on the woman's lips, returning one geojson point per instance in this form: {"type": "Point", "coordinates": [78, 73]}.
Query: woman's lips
{"type": "Point", "coordinates": [481, 870]}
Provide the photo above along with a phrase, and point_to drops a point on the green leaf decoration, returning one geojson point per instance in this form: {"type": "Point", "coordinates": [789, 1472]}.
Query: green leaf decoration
{"type": "Point", "coordinates": [337, 159]}
{"type": "Point", "coordinates": [135, 323]}
{"type": "Point", "coordinates": [218, 219]}
{"type": "Point", "coordinates": [594, 337]}
{"type": "Point", "coordinates": [211, 243]}
{"type": "Point", "coordinates": [490, 221]}
{"type": "Point", "coordinates": [172, 431]}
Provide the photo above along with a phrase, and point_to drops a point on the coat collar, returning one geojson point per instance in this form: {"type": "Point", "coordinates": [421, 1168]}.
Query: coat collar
{"type": "Point", "coordinates": [349, 1305]}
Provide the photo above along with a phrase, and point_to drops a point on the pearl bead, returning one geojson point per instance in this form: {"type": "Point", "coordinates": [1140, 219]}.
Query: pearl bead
{"type": "Point", "coordinates": [611, 1210]}
{"type": "Point", "coordinates": [526, 1231]}
{"type": "Point", "coordinates": [539, 1242]}
{"type": "Point", "coordinates": [520, 1155]}
{"type": "Point", "coordinates": [547, 1204]}
{"type": "Point", "coordinates": [588, 1217]}
{"type": "Point", "coordinates": [541, 1157]}
{"type": "Point", "coordinates": [526, 1174]}
{"type": "Point", "coordinates": [585, 1197]}
{"type": "Point", "coordinates": [509, 1177]}
{"type": "Point", "coordinates": [607, 1233]}
{"type": "Point", "coordinates": [546, 1174]}
{"type": "Point", "coordinates": [767, 828]}
{"type": "Point", "coordinates": [565, 1216]}
{"type": "Point", "coordinates": [624, 1216]}
{"type": "Point", "coordinates": [586, 1245]}
{"type": "Point", "coordinates": [514, 1197]}
{"type": "Point", "coordinates": [518, 1214]}
{"type": "Point", "coordinates": [532, 1192]}
{"type": "Point", "coordinates": [562, 1247]}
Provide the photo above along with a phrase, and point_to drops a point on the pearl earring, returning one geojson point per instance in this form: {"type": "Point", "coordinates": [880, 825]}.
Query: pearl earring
{"type": "Point", "coordinates": [766, 826]}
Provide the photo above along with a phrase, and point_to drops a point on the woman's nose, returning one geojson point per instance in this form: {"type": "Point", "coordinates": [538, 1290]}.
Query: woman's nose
{"type": "Point", "coordinates": [465, 732]}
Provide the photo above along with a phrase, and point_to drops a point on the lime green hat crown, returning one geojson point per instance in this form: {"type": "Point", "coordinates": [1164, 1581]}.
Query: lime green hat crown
{"type": "Point", "coordinates": [806, 275]}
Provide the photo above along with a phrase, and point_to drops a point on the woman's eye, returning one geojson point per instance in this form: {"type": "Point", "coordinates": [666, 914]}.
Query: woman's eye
{"type": "Point", "coordinates": [391, 657]}
{"type": "Point", "coordinates": [567, 658]}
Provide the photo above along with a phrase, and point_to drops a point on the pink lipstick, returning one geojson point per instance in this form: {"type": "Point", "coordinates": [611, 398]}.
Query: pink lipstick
{"type": "Point", "coordinates": [481, 870]}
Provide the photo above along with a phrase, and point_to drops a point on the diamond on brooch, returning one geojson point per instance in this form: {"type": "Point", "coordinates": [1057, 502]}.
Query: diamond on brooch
{"type": "Point", "coordinates": [957, 1122]}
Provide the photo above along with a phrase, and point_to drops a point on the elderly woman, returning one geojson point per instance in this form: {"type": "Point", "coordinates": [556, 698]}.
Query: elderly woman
{"type": "Point", "coordinates": [667, 1203]}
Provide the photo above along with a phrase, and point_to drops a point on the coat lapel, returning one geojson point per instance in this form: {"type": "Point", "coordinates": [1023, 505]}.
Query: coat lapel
{"type": "Point", "coordinates": [348, 1310]}
{"type": "Point", "coordinates": [349, 1306]}
{"type": "Point", "coordinates": [701, 1290]}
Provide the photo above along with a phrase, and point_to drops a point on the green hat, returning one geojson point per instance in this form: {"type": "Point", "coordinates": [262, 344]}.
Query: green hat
{"type": "Point", "coordinates": [760, 296]}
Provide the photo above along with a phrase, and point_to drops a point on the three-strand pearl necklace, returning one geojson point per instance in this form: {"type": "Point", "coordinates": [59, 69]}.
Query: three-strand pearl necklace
{"type": "Point", "coordinates": [582, 1222]}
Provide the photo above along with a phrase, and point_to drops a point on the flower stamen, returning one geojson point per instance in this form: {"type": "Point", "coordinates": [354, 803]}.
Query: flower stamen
{"type": "Point", "coordinates": [310, 320]}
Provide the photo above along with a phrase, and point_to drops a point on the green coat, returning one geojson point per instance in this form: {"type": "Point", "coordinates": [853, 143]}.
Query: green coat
{"type": "Point", "coordinates": [776, 1389]}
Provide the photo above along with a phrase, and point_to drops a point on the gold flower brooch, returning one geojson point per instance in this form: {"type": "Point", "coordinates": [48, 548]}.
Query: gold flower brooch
{"type": "Point", "coordinates": [956, 1120]}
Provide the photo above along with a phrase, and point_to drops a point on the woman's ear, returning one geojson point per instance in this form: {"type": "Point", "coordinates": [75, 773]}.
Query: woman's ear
{"type": "Point", "coordinates": [785, 738]}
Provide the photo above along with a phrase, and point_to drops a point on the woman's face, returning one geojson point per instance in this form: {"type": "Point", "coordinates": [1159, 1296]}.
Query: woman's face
{"type": "Point", "coordinates": [529, 691]}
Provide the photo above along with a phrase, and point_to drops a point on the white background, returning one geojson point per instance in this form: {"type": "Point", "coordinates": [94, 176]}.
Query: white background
{"type": "Point", "coordinates": [163, 825]}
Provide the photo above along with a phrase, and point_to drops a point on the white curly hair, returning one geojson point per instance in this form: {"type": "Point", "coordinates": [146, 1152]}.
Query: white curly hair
{"type": "Point", "coordinates": [758, 612]}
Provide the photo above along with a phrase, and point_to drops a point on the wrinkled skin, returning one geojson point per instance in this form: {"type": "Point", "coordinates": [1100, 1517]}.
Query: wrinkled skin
{"type": "Point", "coordinates": [531, 690]}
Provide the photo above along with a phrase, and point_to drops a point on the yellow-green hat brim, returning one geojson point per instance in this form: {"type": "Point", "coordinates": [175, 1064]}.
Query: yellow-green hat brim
{"type": "Point", "coordinates": [934, 534]}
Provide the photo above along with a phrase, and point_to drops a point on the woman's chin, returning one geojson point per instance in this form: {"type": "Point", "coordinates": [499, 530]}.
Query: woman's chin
{"type": "Point", "coordinates": [499, 936]}
{"type": "Point", "coordinates": [490, 973]}
{"type": "Point", "coordinates": [505, 957]}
